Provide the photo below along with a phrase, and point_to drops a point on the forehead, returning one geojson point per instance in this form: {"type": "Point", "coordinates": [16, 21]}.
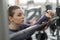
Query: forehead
{"type": "Point", "coordinates": [17, 10]}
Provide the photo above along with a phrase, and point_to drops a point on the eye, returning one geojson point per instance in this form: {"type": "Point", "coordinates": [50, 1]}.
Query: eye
{"type": "Point", "coordinates": [19, 14]}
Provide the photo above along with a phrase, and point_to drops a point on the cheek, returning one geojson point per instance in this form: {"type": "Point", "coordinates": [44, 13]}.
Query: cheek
{"type": "Point", "coordinates": [18, 20]}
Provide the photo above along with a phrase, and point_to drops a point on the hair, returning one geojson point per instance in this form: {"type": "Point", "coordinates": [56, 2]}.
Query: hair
{"type": "Point", "coordinates": [10, 10]}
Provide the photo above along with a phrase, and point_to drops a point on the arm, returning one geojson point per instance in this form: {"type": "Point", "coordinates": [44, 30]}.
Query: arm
{"type": "Point", "coordinates": [45, 18]}
{"type": "Point", "coordinates": [26, 32]}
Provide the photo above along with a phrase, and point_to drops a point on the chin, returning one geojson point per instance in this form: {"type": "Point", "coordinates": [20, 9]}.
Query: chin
{"type": "Point", "coordinates": [22, 23]}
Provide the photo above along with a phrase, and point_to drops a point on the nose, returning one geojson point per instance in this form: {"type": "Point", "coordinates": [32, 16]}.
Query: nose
{"type": "Point", "coordinates": [22, 16]}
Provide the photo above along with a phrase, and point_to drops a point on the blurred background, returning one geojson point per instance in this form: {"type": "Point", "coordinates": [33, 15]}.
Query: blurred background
{"type": "Point", "coordinates": [31, 9]}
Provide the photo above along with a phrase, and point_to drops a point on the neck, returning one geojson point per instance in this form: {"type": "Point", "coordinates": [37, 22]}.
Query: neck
{"type": "Point", "coordinates": [13, 26]}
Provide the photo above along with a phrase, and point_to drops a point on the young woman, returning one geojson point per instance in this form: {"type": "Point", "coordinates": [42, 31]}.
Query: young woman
{"type": "Point", "coordinates": [16, 23]}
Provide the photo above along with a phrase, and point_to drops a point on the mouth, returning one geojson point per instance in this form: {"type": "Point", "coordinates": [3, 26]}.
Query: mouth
{"type": "Point", "coordinates": [22, 20]}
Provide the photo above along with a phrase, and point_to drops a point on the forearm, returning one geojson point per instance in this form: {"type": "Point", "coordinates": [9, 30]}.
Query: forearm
{"type": "Point", "coordinates": [43, 19]}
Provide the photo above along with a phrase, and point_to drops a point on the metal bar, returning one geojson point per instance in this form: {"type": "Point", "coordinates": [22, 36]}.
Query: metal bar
{"type": "Point", "coordinates": [57, 3]}
{"type": "Point", "coordinates": [3, 20]}
{"type": "Point", "coordinates": [58, 33]}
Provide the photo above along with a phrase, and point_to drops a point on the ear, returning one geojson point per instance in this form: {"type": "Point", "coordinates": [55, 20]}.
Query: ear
{"type": "Point", "coordinates": [10, 18]}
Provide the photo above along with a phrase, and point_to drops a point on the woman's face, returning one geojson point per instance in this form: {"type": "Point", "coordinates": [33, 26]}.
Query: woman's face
{"type": "Point", "coordinates": [18, 16]}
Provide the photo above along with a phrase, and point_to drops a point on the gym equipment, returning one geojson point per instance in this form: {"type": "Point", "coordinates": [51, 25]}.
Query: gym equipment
{"type": "Point", "coordinates": [58, 22]}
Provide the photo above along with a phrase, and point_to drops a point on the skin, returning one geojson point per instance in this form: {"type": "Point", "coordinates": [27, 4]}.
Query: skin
{"type": "Point", "coordinates": [33, 21]}
{"type": "Point", "coordinates": [17, 19]}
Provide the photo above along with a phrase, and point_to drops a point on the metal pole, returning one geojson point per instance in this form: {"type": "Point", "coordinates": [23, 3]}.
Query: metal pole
{"type": "Point", "coordinates": [57, 32]}
{"type": "Point", "coordinates": [57, 25]}
{"type": "Point", "coordinates": [57, 3]}
{"type": "Point", "coordinates": [3, 20]}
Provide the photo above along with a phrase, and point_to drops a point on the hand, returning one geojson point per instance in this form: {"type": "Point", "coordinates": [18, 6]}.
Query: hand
{"type": "Point", "coordinates": [49, 13]}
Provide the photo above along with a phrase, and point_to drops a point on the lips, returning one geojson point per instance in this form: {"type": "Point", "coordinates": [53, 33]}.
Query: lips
{"type": "Point", "coordinates": [22, 20]}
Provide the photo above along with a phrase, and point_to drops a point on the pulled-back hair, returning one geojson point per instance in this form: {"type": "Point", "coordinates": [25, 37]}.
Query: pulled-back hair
{"type": "Point", "coordinates": [10, 10]}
